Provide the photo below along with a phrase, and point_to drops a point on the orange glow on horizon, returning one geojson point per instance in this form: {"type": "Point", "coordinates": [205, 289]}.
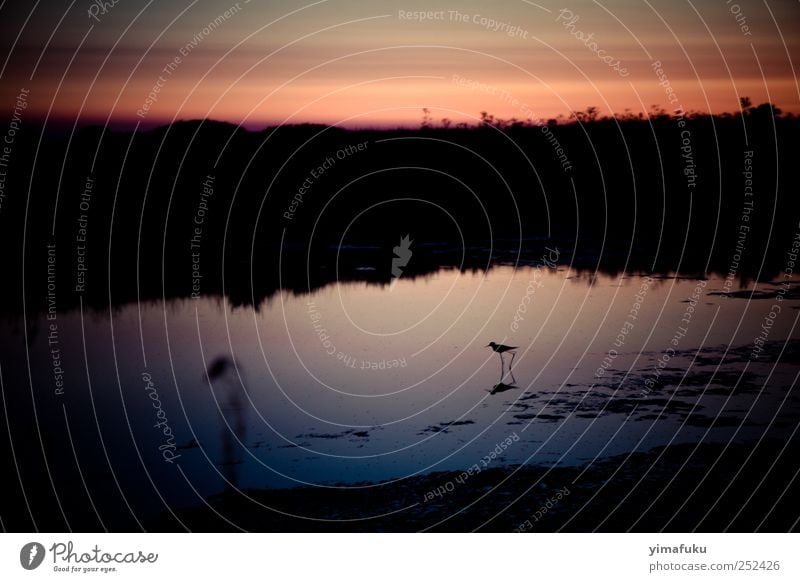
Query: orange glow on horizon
{"type": "Point", "coordinates": [362, 64]}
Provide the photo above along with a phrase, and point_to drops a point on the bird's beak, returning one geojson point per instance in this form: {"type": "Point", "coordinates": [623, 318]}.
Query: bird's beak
{"type": "Point", "coordinates": [488, 345]}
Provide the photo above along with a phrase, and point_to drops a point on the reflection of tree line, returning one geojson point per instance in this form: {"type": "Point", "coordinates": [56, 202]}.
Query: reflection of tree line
{"type": "Point", "coordinates": [629, 199]}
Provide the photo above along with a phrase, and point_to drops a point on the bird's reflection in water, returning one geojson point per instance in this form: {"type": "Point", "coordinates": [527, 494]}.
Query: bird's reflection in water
{"type": "Point", "coordinates": [502, 387]}
{"type": "Point", "coordinates": [230, 395]}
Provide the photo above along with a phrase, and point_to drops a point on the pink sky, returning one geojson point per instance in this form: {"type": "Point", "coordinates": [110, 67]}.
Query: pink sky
{"type": "Point", "coordinates": [369, 63]}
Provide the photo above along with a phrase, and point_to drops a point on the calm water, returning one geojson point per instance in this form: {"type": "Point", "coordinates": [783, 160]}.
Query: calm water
{"type": "Point", "coordinates": [360, 383]}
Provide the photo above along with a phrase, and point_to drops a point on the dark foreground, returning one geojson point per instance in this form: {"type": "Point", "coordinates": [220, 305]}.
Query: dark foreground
{"type": "Point", "coordinates": [712, 488]}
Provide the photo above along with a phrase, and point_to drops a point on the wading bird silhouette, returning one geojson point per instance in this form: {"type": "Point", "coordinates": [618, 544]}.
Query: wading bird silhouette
{"type": "Point", "coordinates": [501, 349]}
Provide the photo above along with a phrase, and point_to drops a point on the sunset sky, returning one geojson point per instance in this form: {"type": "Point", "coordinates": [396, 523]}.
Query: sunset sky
{"type": "Point", "coordinates": [367, 63]}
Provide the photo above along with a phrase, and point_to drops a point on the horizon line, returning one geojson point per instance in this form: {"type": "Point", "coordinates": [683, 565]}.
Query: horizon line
{"type": "Point", "coordinates": [589, 115]}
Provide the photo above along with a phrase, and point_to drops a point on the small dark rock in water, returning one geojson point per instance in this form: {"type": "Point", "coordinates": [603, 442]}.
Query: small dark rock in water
{"type": "Point", "coordinates": [534, 416]}
{"type": "Point", "coordinates": [443, 426]}
{"type": "Point", "coordinates": [432, 428]}
{"type": "Point", "coordinates": [361, 434]}
{"type": "Point", "coordinates": [323, 435]}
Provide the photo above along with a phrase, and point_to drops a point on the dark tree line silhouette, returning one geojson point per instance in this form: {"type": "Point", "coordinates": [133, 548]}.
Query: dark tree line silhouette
{"type": "Point", "coordinates": [469, 196]}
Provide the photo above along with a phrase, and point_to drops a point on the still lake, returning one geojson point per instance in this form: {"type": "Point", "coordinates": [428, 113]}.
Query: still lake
{"type": "Point", "coordinates": [357, 383]}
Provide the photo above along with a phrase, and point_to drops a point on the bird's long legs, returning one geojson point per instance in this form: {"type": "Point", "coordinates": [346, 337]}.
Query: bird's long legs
{"type": "Point", "coordinates": [502, 367]}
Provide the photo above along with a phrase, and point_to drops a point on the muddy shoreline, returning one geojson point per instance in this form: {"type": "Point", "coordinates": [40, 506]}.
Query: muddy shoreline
{"type": "Point", "coordinates": [681, 488]}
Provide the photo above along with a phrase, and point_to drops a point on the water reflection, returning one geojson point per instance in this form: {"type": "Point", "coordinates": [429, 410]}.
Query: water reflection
{"type": "Point", "coordinates": [501, 387]}
{"type": "Point", "coordinates": [231, 397]}
{"type": "Point", "coordinates": [355, 384]}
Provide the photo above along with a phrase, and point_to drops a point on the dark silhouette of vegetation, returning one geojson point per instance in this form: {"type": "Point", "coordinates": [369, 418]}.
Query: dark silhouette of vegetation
{"type": "Point", "coordinates": [660, 193]}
